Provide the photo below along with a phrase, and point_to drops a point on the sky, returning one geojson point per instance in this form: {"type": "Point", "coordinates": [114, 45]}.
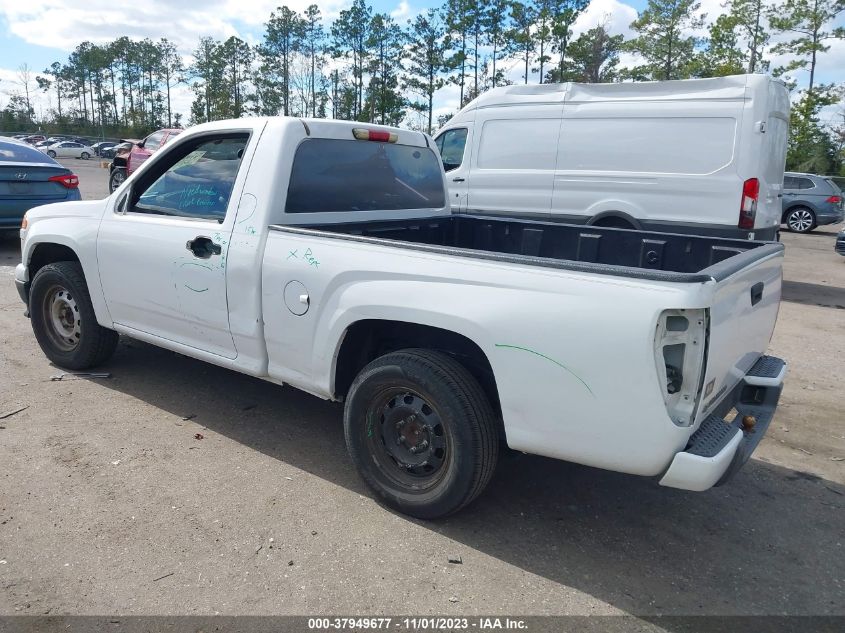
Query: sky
{"type": "Point", "coordinates": [39, 32]}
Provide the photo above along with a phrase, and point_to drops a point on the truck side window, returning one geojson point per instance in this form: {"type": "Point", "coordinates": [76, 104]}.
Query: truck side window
{"type": "Point", "coordinates": [193, 181]}
{"type": "Point", "coordinates": [451, 145]}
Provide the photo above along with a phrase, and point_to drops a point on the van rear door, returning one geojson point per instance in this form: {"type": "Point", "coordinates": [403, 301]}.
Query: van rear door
{"type": "Point", "coordinates": [775, 119]}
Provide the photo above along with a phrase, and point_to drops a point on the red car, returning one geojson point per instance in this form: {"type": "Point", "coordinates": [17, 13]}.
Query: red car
{"type": "Point", "coordinates": [125, 163]}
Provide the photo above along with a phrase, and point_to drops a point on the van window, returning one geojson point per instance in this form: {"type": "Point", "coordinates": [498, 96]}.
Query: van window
{"type": "Point", "coordinates": [518, 144]}
{"type": "Point", "coordinates": [338, 175]}
{"type": "Point", "coordinates": [691, 145]}
{"type": "Point", "coordinates": [451, 145]}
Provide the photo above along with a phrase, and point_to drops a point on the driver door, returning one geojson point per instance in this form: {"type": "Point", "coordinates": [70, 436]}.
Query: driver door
{"type": "Point", "coordinates": [452, 145]}
{"type": "Point", "coordinates": [163, 249]}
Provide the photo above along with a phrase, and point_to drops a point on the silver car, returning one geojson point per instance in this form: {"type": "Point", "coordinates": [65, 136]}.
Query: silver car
{"type": "Point", "coordinates": [810, 201]}
{"type": "Point", "coordinates": [68, 149]}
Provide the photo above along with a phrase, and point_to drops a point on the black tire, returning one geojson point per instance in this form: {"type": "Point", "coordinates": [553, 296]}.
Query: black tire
{"type": "Point", "coordinates": [51, 153]}
{"type": "Point", "coordinates": [85, 156]}
{"type": "Point", "coordinates": [63, 318]}
{"type": "Point", "coordinates": [800, 220]}
{"type": "Point", "coordinates": [427, 397]}
{"type": "Point", "coordinates": [117, 178]}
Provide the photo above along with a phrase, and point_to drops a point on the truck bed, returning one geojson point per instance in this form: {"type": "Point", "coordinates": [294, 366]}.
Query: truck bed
{"type": "Point", "coordinates": [629, 253]}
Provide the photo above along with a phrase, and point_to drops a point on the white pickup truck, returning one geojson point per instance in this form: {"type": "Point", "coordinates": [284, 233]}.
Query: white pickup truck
{"type": "Point", "coordinates": [324, 255]}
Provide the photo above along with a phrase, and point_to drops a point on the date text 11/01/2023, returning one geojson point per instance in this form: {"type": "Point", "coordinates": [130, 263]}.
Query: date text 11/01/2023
{"type": "Point", "coordinates": [428, 623]}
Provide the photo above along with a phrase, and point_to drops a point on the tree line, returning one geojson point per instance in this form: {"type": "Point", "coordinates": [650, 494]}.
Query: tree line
{"type": "Point", "coordinates": [367, 66]}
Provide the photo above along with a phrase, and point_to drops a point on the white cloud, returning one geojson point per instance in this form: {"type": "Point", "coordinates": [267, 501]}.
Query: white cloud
{"type": "Point", "coordinates": [615, 15]}
{"type": "Point", "coordinates": [63, 24]}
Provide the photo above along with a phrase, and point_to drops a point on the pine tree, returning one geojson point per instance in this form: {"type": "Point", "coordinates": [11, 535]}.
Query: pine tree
{"type": "Point", "coordinates": [663, 41]}
{"type": "Point", "coordinates": [426, 53]}
{"type": "Point", "coordinates": [809, 22]}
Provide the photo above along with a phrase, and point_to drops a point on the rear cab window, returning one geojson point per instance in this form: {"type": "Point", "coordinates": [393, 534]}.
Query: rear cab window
{"type": "Point", "coordinates": [333, 175]}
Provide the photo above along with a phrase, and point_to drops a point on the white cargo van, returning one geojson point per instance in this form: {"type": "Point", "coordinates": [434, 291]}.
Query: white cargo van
{"type": "Point", "coordinates": [702, 156]}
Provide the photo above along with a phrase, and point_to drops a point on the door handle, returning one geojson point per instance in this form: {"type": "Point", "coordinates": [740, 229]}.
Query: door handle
{"type": "Point", "coordinates": [458, 179]}
{"type": "Point", "coordinates": [756, 293]}
{"type": "Point", "coordinates": [203, 247]}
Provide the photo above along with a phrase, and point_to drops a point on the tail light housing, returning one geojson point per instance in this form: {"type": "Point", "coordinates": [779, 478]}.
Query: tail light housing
{"type": "Point", "coordinates": [69, 181]}
{"type": "Point", "coordinates": [748, 206]}
{"type": "Point", "coordinates": [680, 347]}
{"type": "Point", "coordinates": [834, 199]}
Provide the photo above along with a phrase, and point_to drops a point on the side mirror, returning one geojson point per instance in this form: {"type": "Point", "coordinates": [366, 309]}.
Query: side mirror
{"type": "Point", "coordinates": [141, 143]}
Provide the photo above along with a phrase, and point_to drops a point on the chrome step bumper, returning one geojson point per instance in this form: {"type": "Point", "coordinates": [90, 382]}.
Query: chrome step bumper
{"type": "Point", "coordinates": [720, 446]}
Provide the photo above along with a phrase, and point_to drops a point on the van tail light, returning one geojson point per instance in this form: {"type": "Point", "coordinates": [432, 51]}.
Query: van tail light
{"type": "Point", "coordinates": [69, 181]}
{"type": "Point", "coordinates": [748, 207]}
{"type": "Point", "coordinates": [834, 199]}
{"type": "Point", "coordinates": [363, 134]}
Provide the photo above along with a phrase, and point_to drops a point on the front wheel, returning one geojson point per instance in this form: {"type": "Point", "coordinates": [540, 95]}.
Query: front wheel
{"type": "Point", "coordinates": [421, 432]}
{"type": "Point", "coordinates": [801, 220]}
{"type": "Point", "coordinates": [63, 318]}
{"type": "Point", "coordinates": [117, 178]}
{"type": "Point", "coordinates": [51, 153]}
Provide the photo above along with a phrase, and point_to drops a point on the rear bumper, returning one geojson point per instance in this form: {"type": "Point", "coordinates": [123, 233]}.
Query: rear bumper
{"type": "Point", "coordinates": [830, 216]}
{"type": "Point", "coordinates": [720, 447]}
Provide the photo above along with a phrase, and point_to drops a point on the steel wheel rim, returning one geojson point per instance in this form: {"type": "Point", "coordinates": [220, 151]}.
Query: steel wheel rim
{"type": "Point", "coordinates": [408, 439]}
{"type": "Point", "coordinates": [800, 221]}
{"type": "Point", "coordinates": [62, 319]}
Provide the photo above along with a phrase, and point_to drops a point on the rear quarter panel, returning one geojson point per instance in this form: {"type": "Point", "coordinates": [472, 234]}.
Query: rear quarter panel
{"type": "Point", "coordinates": [572, 353]}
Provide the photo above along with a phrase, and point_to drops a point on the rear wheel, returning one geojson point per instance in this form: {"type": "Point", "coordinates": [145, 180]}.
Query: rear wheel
{"type": "Point", "coordinates": [118, 176]}
{"type": "Point", "coordinates": [421, 432]}
{"type": "Point", "coordinates": [801, 220]}
{"type": "Point", "coordinates": [63, 318]}
{"type": "Point", "coordinates": [85, 155]}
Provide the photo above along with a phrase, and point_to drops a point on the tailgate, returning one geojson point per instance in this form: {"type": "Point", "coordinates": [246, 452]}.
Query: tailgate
{"type": "Point", "coordinates": [742, 318]}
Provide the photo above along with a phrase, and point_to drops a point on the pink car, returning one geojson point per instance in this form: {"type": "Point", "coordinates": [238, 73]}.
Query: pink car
{"type": "Point", "coordinates": [125, 163]}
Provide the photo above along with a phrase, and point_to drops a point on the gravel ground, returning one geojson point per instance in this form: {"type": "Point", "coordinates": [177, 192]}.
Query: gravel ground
{"type": "Point", "coordinates": [110, 505]}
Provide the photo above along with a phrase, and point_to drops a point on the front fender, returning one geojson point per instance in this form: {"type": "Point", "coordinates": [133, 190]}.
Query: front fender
{"type": "Point", "coordinates": [73, 225]}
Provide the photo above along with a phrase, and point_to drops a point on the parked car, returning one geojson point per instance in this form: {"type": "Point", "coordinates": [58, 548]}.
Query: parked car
{"type": "Point", "coordinates": [114, 150]}
{"type": "Point", "coordinates": [324, 255]}
{"type": "Point", "coordinates": [32, 139]}
{"type": "Point", "coordinates": [102, 145]}
{"type": "Point", "coordinates": [702, 156]}
{"type": "Point", "coordinates": [122, 167]}
{"type": "Point", "coordinates": [840, 242]}
{"type": "Point", "coordinates": [68, 149]}
{"type": "Point", "coordinates": [810, 201]}
{"type": "Point", "coordinates": [28, 179]}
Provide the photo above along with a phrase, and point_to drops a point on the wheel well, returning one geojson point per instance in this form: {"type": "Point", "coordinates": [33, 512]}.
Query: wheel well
{"type": "Point", "coordinates": [47, 254]}
{"type": "Point", "coordinates": [367, 340]}
{"type": "Point", "coordinates": [614, 219]}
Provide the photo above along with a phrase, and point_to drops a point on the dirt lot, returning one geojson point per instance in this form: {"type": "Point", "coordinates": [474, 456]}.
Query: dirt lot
{"type": "Point", "coordinates": [109, 504]}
